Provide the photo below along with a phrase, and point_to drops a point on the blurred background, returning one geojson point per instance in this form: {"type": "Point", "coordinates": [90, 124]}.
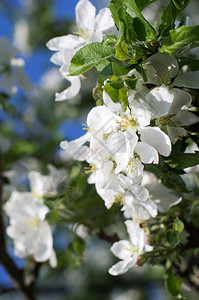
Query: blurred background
{"type": "Point", "coordinates": [31, 131]}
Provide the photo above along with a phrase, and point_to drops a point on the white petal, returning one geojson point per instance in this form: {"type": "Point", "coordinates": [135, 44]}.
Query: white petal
{"type": "Point", "coordinates": [188, 79]}
{"type": "Point", "coordinates": [121, 249]}
{"type": "Point", "coordinates": [151, 207]}
{"type": "Point", "coordinates": [67, 42]}
{"type": "Point", "coordinates": [85, 15]}
{"type": "Point", "coordinates": [181, 98]}
{"type": "Point", "coordinates": [71, 91]}
{"type": "Point", "coordinates": [162, 196]}
{"type": "Point", "coordinates": [159, 100]}
{"type": "Point", "coordinates": [56, 59]}
{"type": "Point", "coordinates": [140, 192]}
{"type": "Point", "coordinates": [104, 20]}
{"type": "Point", "coordinates": [53, 259]}
{"type": "Point", "coordinates": [147, 153]}
{"type": "Point", "coordinates": [114, 107]}
{"type": "Point", "coordinates": [44, 243]}
{"type": "Point", "coordinates": [155, 137]}
{"type": "Point", "coordinates": [184, 117]}
{"type": "Point", "coordinates": [95, 37]}
{"type": "Point", "coordinates": [174, 132]}
{"type": "Point", "coordinates": [101, 119]}
{"type": "Point", "coordinates": [133, 229]}
{"type": "Point", "coordinates": [76, 148]}
{"type": "Point", "coordinates": [140, 112]}
{"type": "Point", "coordinates": [165, 65]}
{"type": "Point", "coordinates": [123, 266]}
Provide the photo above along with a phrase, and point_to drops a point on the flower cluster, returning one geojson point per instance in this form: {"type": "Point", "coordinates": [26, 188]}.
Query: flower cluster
{"type": "Point", "coordinates": [119, 142]}
{"type": "Point", "coordinates": [32, 235]}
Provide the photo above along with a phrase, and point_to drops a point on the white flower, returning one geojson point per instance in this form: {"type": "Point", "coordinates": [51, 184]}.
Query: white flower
{"type": "Point", "coordinates": [129, 251]}
{"type": "Point", "coordinates": [31, 233]}
{"type": "Point", "coordinates": [91, 28]}
{"type": "Point", "coordinates": [167, 103]}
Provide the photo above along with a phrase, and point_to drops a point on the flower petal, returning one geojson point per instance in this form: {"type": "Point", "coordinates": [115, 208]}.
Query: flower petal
{"type": "Point", "coordinates": [123, 266]}
{"type": "Point", "coordinates": [85, 15]}
{"type": "Point", "coordinates": [71, 91]}
{"type": "Point", "coordinates": [76, 148]}
{"type": "Point", "coordinates": [165, 65]}
{"type": "Point", "coordinates": [147, 153]}
{"type": "Point", "coordinates": [188, 79]}
{"type": "Point", "coordinates": [67, 42]}
{"type": "Point", "coordinates": [185, 117]}
{"type": "Point", "coordinates": [181, 98]}
{"type": "Point", "coordinates": [104, 20]}
{"type": "Point", "coordinates": [159, 100]}
{"type": "Point", "coordinates": [174, 132]}
{"type": "Point", "coordinates": [121, 249]}
{"type": "Point", "coordinates": [155, 137]}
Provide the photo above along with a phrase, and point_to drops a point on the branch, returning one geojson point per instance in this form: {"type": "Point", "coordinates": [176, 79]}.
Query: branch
{"type": "Point", "coordinates": [109, 238]}
{"type": "Point", "coordinates": [7, 262]}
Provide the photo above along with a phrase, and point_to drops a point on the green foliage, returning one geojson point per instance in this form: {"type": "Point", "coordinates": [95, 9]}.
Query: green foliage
{"type": "Point", "coordinates": [90, 56]}
{"type": "Point", "coordinates": [179, 160]}
{"type": "Point", "coordinates": [73, 254]}
{"type": "Point", "coordinates": [173, 285]}
{"type": "Point", "coordinates": [179, 38]}
{"type": "Point", "coordinates": [116, 90]}
{"type": "Point", "coordinates": [142, 29]}
{"type": "Point", "coordinates": [170, 14]}
{"type": "Point", "coordinates": [5, 105]}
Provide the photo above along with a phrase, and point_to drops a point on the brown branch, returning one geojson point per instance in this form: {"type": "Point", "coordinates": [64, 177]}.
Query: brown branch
{"type": "Point", "coordinates": [7, 262]}
{"type": "Point", "coordinates": [109, 238]}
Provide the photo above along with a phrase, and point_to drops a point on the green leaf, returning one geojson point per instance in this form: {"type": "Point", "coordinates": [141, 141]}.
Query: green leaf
{"type": "Point", "coordinates": [72, 258]}
{"type": "Point", "coordinates": [180, 4]}
{"type": "Point", "coordinates": [89, 56]}
{"type": "Point", "coordinates": [114, 7]}
{"type": "Point", "coordinates": [110, 40]}
{"type": "Point", "coordinates": [141, 4]}
{"type": "Point", "coordinates": [142, 28]}
{"type": "Point", "coordinates": [122, 51]}
{"type": "Point", "coordinates": [5, 105]}
{"type": "Point", "coordinates": [117, 94]}
{"type": "Point", "coordinates": [172, 284]}
{"type": "Point", "coordinates": [119, 70]}
{"type": "Point", "coordinates": [169, 16]}
{"type": "Point", "coordinates": [179, 160]}
{"type": "Point", "coordinates": [78, 244]}
{"type": "Point", "coordinates": [131, 82]}
{"type": "Point", "coordinates": [179, 38]}
{"type": "Point", "coordinates": [178, 225]}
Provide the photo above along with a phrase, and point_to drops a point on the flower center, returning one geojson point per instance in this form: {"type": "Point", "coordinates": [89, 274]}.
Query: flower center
{"type": "Point", "coordinates": [90, 169]}
{"type": "Point", "coordinates": [165, 120]}
{"type": "Point", "coordinates": [84, 33]}
{"type": "Point", "coordinates": [125, 122]}
{"type": "Point", "coordinates": [32, 223]}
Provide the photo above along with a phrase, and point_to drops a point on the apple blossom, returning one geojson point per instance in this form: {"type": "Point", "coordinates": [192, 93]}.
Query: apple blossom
{"type": "Point", "coordinates": [129, 251]}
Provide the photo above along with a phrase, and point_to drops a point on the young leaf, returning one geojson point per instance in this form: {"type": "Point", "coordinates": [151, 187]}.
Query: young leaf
{"type": "Point", "coordinates": [172, 284]}
{"type": "Point", "coordinates": [141, 26]}
{"type": "Point", "coordinates": [179, 160]}
{"type": "Point", "coordinates": [179, 38]}
{"type": "Point", "coordinates": [89, 56]}
{"type": "Point", "coordinates": [141, 4]}
{"type": "Point", "coordinates": [114, 7]}
{"type": "Point", "coordinates": [169, 16]}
